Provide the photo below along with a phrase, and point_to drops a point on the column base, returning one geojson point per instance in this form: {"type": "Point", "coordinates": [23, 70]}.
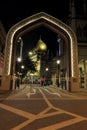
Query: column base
{"type": "Point", "coordinates": [74, 84]}
{"type": "Point", "coordinates": [6, 83]}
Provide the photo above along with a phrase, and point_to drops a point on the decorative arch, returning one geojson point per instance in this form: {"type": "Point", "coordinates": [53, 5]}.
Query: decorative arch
{"type": "Point", "coordinates": [51, 22]}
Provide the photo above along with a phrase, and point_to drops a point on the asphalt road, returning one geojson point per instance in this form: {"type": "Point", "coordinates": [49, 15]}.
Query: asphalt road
{"type": "Point", "coordinates": [43, 108]}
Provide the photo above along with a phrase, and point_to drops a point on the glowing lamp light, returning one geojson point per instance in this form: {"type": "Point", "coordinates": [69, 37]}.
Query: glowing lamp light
{"type": "Point", "coordinates": [47, 69]}
{"type": "Point", "coordinates": [30, 53]}
{"type": "Point", "coordinates": [19, 59]}
{"type": "Point", "coordinates": [58, 61]}
{"type": "Point", "coordinates": [22, 66]}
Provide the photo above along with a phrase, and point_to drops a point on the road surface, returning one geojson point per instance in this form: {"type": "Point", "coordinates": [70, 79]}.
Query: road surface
{"type": "Point", "coordinates": [43, 108]}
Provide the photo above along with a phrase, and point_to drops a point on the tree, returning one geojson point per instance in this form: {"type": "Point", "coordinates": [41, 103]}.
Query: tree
{"type": "Point", "coordinates": [28, 66]}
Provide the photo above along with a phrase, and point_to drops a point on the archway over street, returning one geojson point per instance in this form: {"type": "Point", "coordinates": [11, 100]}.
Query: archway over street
{"type": "Point", "coordinates": [30, 23]}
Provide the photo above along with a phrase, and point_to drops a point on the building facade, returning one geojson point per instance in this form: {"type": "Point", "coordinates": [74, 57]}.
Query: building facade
{"type": "Point", "coordinates": [2, 47]}
{"type": "Point", "coordinates": [77, 20]}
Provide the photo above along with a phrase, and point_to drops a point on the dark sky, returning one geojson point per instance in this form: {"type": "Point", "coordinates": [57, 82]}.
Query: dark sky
{"type": "Point", "coordinates": [12, 11]}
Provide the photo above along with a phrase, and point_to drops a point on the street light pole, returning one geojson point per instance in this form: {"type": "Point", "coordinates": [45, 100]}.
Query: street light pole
{"type": "Point", "coordinates": [21, 48]}
{"type": "Point", "coordinates": [47, 72]}
{"type": "Point", "coordinates": [58, 67]}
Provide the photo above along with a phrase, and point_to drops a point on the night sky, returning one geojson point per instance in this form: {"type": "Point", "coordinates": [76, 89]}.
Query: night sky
{"type": "Point", "coordinates": [12, 11]}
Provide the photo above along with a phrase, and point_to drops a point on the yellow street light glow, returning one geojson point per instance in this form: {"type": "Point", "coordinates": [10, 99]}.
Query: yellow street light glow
{"type": "Point", "coordinates": [47, 69]}
{"type": "Point", "coordinates": [30, 53]}
{"type": "Point", "coordinates": [58, 61]}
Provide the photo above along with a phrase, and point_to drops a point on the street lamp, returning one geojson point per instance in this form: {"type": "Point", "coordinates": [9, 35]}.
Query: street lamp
{"type": "Point", "coordinates": [21, 48]}
{"type": "Point", "coordinates": [22, 66]}
{"type": "Point", "coordinates": [58, 68]}
{"type": "Point", "coordinates": [47, 69]}
{"type": "Point", "coordinates": [19, 59]}
{"type": "Point", "coordinates": [58, 62]}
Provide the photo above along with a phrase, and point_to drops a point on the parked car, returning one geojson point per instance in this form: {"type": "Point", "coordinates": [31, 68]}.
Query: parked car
{"type": "Point", "coordinates": [48, 82]}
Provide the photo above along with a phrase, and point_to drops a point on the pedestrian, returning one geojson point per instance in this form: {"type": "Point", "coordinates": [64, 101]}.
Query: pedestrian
{"type": "Point", "coordinates": [42, 80]}
{"type": "Point", "coordinates": [18, 82]}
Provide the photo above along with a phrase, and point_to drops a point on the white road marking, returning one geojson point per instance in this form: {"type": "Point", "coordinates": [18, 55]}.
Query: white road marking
{"type": "Point", "coordinates": [53, 93]}
{"type": "Point", "coordinates": [31, 93]}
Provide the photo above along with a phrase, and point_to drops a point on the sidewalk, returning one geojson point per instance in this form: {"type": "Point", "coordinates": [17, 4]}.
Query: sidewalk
{"type": "Point", "coordinates": [81, 92]}
{"type": "Point", "coordinates": [4, 94]}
